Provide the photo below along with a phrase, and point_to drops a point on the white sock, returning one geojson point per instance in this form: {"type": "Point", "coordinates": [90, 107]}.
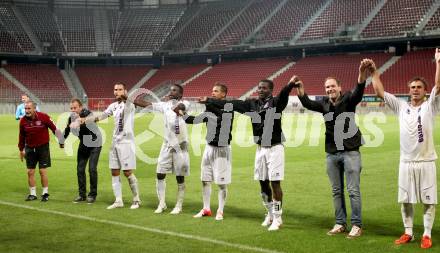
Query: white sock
{"type": "Point", "coordinates": [33, 190]}
{"type": "Point", "coordinates": [408, 217]}
{"type": "Point", "coordinates": [180, 194]}
{"type": "Point", "coordinates": [222, 194]}
{"type": "Point", "coordinates": [45, 190]}
{"type": "Point", "coordinates": [428, 219]}
{"type": "Point", "coordinates": [206, 192]}
{"type": "Point", "coordinates": [117, 191]}
{"type": "Point", "coordinates": [160, 190]}
{"type": "Point", "coordinates": [132, 180]}
{"type": "Point", "coordinates": [268, 205]}
{"type": "Point", "coordinates": [277, 210]}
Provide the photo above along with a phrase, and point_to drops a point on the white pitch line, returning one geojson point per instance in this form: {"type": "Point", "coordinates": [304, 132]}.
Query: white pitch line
{"type": "Point", "coordinates": [151, 230]}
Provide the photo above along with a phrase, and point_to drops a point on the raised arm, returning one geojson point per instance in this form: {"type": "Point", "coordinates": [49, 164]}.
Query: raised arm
{"type": "Point", "coordinates": [283, 96]}
{"type": "Point", "coordinates": [437, 71]}
{"type": "Point", "coordinates": [305, 100]}
{"type": "Point", "coordinates": [364, 72]}
{"type": "Point", "coordinates": [376, 82]}
{"type": "Point", "coordinates": [238, 105]}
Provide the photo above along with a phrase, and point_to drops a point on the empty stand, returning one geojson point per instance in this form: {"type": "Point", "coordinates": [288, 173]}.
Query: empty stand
{"type": "Point", "coordinates": [288, 21]}
{"type": "Point", "coordinates": [210, 20]}
{"type": "Point", "coordinates": [396, 18]}
{"type": "Point", "coordinates": [77, 29]}
{"type": "Point", "coordinates": [239, 76]}
{"type": "Point", "coordinates": [44, 26]}
{"type": "Point", "coordinates": [45, 81]}
{"type": "Point", "coordinates": [434, 22]}
{"type": "Point", "coordinates": [245, 23]}
{"type": "Point", "coordinates": [419, 63]}
{"type": "Point", "coordinates": [13, 37]}
{"type": "Point", "coordinates": [143, 29]}
{"type": "Point", "coordinates": [337, 17]}
{"type": "Point", "coordinates": [9, 93]}
{"type": "Point", "coordinates": [98, 82]}
{"type": "Point", "coordinates": [174, 73]}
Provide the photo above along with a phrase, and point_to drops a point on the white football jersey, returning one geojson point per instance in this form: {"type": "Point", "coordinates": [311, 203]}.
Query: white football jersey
{"type": "Point", "coordinates": [123, 114]}
{"type": "Point", "coordinates": [416, 127]}
{"type": "Point", "coordinates": [175, 131]}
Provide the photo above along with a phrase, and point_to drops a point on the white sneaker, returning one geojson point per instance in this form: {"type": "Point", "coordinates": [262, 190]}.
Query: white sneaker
{"type": "Point", "coordinates": [160, 208]}
{"type": "Point", "coordinates": [176, 210]}
{"type": "Point", "coordinates": [337, 229]}
{"type": "Point", "coordinates": [117, 204]}
{"type": "Point", "coordinates": [354, 232]}
{"type": "Point", "coordinates": [135, 204]}
{"type": "Point", "coordinates": [267, 221]}
{"type": "Point", "coordinates": [203, 212]}
{"type": "Point", "coordinates": [219, 216]}
{"type": "Point", "coordinates": [276, 224]}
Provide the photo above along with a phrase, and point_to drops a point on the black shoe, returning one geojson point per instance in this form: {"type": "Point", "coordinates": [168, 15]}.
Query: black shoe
{"type": "Point", "coordinates": [91, 200]}
{"type": "Point", "coordinates": [45, 197]}
{"type": "Point", "coordinates": [79, 199]}
{"type": "Point", "coordinates": [31, 197]}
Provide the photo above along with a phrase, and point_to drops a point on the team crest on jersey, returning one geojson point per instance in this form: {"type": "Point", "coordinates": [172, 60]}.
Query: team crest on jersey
{"type": "Point", "coordinates": [427, 197]}
{"type": "Point", "coordinates": [38, 123]}
{"type": "Point", "coordinates": [408, 111]}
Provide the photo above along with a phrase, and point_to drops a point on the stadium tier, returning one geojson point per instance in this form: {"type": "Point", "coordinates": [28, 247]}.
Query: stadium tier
{"type": "Point", "coordinates": [433, 23]}
{"type": "Point", "coordinates": [174, 73]}
{"type": "Point", "coordinates": [419, 63]}
{"type": "Point", "coordinates": [397, 17]}
{"type": "Point", "coordinates": [45, 81]}
{"type": "Point", "coordinates": [338, 16]}
{"type": "Point", "coordinates": [213, 25]}
{"type": "Point", "coordinates": [9, 93]}
{"type": "Point", "coordinates": [98, 81]}
{"type": "Point", "coordinates": [144, 29]}
{"type": "Point", "coordinates": [287, 21]}
{"type": "Point", "coordinates": [239, 76]}
{"type": "Point", "coordinates": [211, 18]}
{"type": "Point", "coordinates": [314, 70]}
{"type": "Point", "coordinates": [245, 23]}
{"type": "Point", "coordinates": [43, 23]}
{"type": "Point", "coordinates": [13, 38]}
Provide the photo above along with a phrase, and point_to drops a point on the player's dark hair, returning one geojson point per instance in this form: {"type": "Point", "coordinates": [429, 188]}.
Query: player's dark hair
{"type": "Point", "coordinates": [121, 83]}
{"type": "Point", "coordinates": [269, 82]}
{"type": "Point", "coordinates": [180, 87]}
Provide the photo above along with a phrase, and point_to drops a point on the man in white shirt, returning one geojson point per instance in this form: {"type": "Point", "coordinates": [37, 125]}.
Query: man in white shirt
{"type": "Point", "coordinates": [417, 170]}
{"type": "Point", "coordinates": [122, 153]}
{"type": "Point", "coordinates": [174, 156]}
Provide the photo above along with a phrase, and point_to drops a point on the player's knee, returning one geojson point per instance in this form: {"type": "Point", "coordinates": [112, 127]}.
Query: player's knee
{"type": "Point", "coordinates": [31, 172]}
{"type": "Point", "coordinates": [127, 173]}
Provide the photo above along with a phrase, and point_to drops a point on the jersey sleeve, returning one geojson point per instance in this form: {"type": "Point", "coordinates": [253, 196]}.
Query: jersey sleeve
{"type": "Point", "coordinates": [393, 102]}
{"type": "Point", "coordinates": [434, 101]}
{"type": "Point", "coordinates": [109, 110]}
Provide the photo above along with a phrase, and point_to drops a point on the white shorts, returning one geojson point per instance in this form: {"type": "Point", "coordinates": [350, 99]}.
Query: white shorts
{"type": "Point", "coordinates": [172, 161]}
{"type": "Point", "coordinates": [269, 163]}
{"type": "Point", "coordinates": [417, 182]}
{"type": "Point", "coordinates": [122, 156]}
{"type": "Point", "coordinates": [216, 165]}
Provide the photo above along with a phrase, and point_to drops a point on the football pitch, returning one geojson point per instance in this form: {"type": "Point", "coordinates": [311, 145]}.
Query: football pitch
{"type": "Point", "coordinates": [62, 226]}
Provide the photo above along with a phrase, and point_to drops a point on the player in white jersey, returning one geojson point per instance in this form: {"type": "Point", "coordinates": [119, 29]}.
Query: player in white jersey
{"type": "Point", "coordinates": [216, 161]}
{"type": "Point", "coordinates": [417, 170]}
{"type": "Point", "coordinates": [174, 156]}
{"type": "Point", "coordinates": [122, 153]}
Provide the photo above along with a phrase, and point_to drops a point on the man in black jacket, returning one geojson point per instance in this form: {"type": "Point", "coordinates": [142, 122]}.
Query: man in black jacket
{"type": "Point", "coordinates": [342, 141]}
{"type": "Point", "coordinates": [266, 112]}
{"type": "Point", "coordinates": [216, 161]}
{"type": "Point", "coordinates": [89, 148]}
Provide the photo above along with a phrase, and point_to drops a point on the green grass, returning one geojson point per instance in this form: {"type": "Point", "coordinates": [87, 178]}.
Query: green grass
{"type": "Point", "coordinates": [307, 208]}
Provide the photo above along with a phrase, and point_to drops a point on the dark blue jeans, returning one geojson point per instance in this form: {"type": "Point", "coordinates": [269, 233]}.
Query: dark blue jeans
{"type": "Point", "coordinates": [346, 163]}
